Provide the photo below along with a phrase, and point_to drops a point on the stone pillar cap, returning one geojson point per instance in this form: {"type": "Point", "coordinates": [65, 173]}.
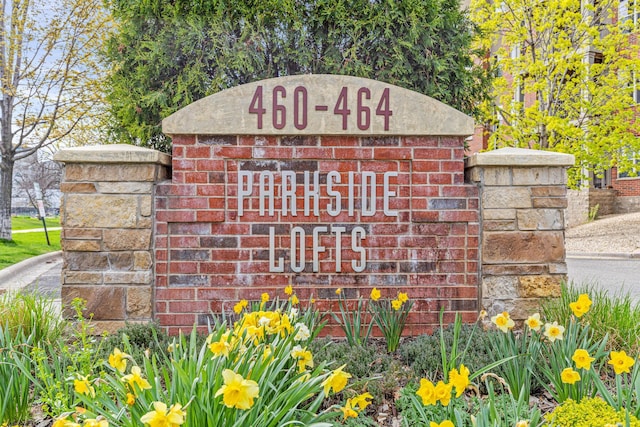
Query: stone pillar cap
{"type": "Point", "coordinates": [327, 104]}
{"type": "Point", "coordinates": [111, 153]}
{"type": "Point", "coordinates": [520, 157]}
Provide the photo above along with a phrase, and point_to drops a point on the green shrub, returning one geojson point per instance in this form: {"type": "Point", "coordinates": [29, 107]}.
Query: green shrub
{"type": "Point", "coordinates": [591, 412]}
{"type": "Point", "coordinates": [422, 354]}
{"type": "Point", "coordinates": [373, 369]}
{"type": "Point", "coordinates": [142, 337]}
{"type": "Point", "coordinates": [616, 315]}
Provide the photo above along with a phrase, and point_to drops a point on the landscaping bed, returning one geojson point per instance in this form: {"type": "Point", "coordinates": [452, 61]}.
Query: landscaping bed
{"type": "Point", "coordinates": [572, 364]}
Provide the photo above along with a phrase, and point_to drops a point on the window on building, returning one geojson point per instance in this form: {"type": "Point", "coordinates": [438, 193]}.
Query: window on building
{"type": "Point", "coordinates": [635, 88]}
{"type": "Point", "coordinates": [628, 11]}
{"type": "Point", "coordinates": [634, 156]}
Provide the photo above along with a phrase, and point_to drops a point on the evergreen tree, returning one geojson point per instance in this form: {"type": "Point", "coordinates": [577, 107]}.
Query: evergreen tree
{"type": "Point", "coordinates": [168, 54]}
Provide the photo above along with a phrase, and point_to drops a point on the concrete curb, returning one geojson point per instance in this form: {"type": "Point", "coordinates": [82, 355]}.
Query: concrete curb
{"type": "Point", "coordinates": [602, 255]}
{"type": "Point", "coordinates": [23, 266]}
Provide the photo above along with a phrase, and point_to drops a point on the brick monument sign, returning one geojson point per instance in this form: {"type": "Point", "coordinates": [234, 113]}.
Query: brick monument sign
{"type": "Point", "coordinates": [321, 182]}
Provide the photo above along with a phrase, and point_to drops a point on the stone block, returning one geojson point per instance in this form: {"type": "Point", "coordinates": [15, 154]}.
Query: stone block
{"type": "Point", "coordinates": [550, 202]}
{"type": "Point", "coordinates": [82, 277]}
{"type": "Point", "coordinates": [121, 261]}
{"type": "Point", "coordinates": [558, 176]}
{"type": "Point", "coordinates": [139, 302]}
{"type": "Point", "coordinates": [499, 225]}
{"type": "Point", "coordinates": [128, 277]}
{"type": "Point", "coordinates": [514, 269]}
{"type": "Point", "coordinates": [105, 302]}
{"type": "Point", "coordinates": [82, 233]}
{"type": "Point", "coordinates": [549, 191]}
{"type": "Point", "coordinates": [142, 260]}
{"type": "Point", "coordinates": [145, 205]}
{"type": "Point", "coordinates": [560, 268]}
{"type": "Point", "coordinates": [127, 240]}
{"type": "Point", "coordinates": [145, 222]}
{"type": "Point", "coordinates": [506, 198]}
{"type": "Point", "coordinates": [500, 287]}
{"type": "Point", "coordinates": [539, 286]}
{"type": "Point", "coordinates": [540, 219]}
{"type": "Point", "coordinates": [95, 210]}
{"type": "Point", "coordinates": [523, 247]}
{"type": "Point", "coordinates": [109, 172]}
{"type": "Point", "coordinates": [530, 176]}
{"type": "Point", "coordinates": [85, 261]}
{"type": "Point", "coordinates": [81, 245]}
{"type": "Point", "coordinates": [124, 187]}
{"type": "Point", "coordinates": [78, 187]}
{"type": "Point", "coordinates": [499, 214]}
{"type": "Point", "coordinates": [497, 176]}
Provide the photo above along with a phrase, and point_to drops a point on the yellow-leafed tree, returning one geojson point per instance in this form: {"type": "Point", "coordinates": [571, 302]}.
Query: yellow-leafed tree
{"type": "Point", "coordinates": [50, 79]}
{"type": "Point", "coordinates": [565, 74]}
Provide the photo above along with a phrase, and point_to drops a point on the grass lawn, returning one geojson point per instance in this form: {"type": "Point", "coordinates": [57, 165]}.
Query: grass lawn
{"type": "Point", "coordinates": [27, 245]}
{"type": "Point", "coordinates": [26, 223]}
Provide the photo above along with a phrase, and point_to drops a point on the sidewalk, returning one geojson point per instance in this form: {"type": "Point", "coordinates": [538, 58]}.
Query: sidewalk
{"type": "Point", "coordinates": [37, 273]}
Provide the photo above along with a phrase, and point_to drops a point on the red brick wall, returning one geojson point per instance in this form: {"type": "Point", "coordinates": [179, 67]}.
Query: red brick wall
{"type": "Point", "coordinates": [625, 186]}
{"type": "Point", "coordinates": [208, 256]}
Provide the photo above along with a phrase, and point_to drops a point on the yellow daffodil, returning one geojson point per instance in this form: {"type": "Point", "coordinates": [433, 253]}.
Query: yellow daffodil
{"type": "Point", "coordinates": [160, 417]}
{"type": "Point", "coordinates": [83, 386]}
{"type": "Point", "coordinates": [459, 379]}
{"type": "Point", "coordinates": [533, 322]}
{"type": "Point", "coordinates": [304, 358]}
{"type": "Point", "coordinates": [338, 291]}
{"type": "Point", "coordinates": [522, 423]}
{"type": "Point", "coordinates": [445, 423]}
{"type": "Point", "coordinates": [443, 393]}
{"type": "Point", "coordinates": [581, 306]}
{"type": "Point", "coordinates": [361, 401]}
{"type": "Point", "coordinates": [237, 392]}
{"type": "Point", "coordinates": [95, 423]}
{"type": "Point", "coordinates": [348, 411]}
{"type": "Point", "coordinates": [288, 290]}
{"type": "Point", "coordinates": [427, 392]}
{"type": "Point", "coordinates": [118, 360]}
{"type": "Point", "coordinates": [64, 422]}
{"type": "Point", "coordinates": [483, 314]}
{"type": "Point", "coordinates": [337, 381]}
{"type": "Point", "coordinates": [240, 305]}
{"type": "Point", "coordinates": [375, 294]}
{"type": "Point", "coordinates": [131, 399]}
{"type": "Point", "coordinates": [135, 379]}
{"type": "Point", "coordinates": [221, 347]}
{"type": "Point", "coordinates": [620, 362]}
{"type": "Point", "coordinates": [569, 376]}
{"type": "Point", "coordinates": [264, 297]}
{"type": "Point", "coordinates": [553, 331]}
{"type": "Point", "coordinates": [582, 359]}
{"type": "Point", "coordinates": [294, 300]}
{"type": "Point", "coordinates": [403, 297]}
{"type": "Point", "coordinates": [503, 321]}
{"type": "Point", "coordinates": [396, 304]}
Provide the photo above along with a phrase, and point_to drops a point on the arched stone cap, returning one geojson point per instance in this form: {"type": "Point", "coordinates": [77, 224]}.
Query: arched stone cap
{"type": "Point", "coordinates": [520, 157]}
{"type": "Point", "coordinates": [111, 153]}
{"type": "Point", "coordinates": [374, 108]}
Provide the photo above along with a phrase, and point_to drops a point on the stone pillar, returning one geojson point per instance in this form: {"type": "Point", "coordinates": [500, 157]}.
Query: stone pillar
{"type": "Point", "coordinates": [522, 223]}
{"type": "Point", "coordinates": [107, 220]}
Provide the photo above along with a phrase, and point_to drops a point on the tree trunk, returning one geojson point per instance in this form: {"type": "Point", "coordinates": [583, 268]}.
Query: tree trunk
{"type": "Point", "coordinates": [6, 185]}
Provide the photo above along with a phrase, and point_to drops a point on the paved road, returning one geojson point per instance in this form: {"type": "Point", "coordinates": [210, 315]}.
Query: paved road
{"type": "Point", "coordinates": [616, 275]}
